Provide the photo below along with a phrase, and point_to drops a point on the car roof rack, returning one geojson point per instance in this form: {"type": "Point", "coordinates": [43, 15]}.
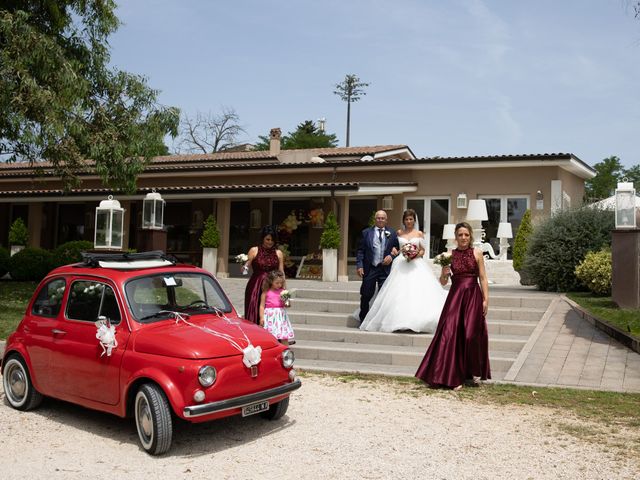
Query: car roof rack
{"type": "Point", "coordinates": [127, 261]}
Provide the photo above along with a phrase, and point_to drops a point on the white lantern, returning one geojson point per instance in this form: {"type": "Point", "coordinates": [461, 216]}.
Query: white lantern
{"type": "Point", "coordinates": [625, 205]}
{"type": "Point", "coordinates": [109, 224]}
{"type": "Point", "coordinates": [153, 211]}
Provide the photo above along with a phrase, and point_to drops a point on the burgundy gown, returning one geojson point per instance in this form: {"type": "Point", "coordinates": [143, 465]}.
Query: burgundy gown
{"type": "Point", "coordinates": [460, 347]}
{"type": "Point", "coordinates": [264, 262]}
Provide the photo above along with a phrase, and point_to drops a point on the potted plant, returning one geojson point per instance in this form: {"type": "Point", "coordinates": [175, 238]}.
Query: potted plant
{"type": "Point", "coordinates": [329, 242]}
{"type": "Point", "coordinates": [18, 236]}
{"type": "Point", "coordinates": [210, 241]}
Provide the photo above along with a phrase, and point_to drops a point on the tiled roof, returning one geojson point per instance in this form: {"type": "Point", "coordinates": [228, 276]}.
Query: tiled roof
{"type": "Point", "coordinates": [206, 162]}
{"type": "Point", "coordinates": [272, 187]}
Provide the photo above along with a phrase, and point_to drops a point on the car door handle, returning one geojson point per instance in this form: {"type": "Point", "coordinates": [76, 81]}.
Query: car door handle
{"type": "Point", "coordinates": [57, 332]}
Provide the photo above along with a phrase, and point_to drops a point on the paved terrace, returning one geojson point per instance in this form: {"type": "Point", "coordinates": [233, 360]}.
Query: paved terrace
{"type": "Point", "coordinates": [563, 351]}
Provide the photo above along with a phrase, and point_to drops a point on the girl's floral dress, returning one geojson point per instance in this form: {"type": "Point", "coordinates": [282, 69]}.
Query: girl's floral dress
{"type": "Point", "coordinates": [276, 320]}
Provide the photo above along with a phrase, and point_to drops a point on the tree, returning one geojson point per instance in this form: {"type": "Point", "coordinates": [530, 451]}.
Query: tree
{"type": "Point", "coordinates": [306, 135]}
{"type": "Point", "coordinates": [60, 102]}
{"type": "Point", "coordinates": [209, 133]}
{"type": "Point", "coordinates": [350, 90]}
{"type": "Point", "coordinates": [608, 173]}
{"type": "Point", "coordinates": [633, 175]}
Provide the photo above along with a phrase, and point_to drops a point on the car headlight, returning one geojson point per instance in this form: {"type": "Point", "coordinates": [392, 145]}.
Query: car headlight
{"type": "Point", "coordinates": [207, 376]}
{"type": "Point", "coordinates": [287, 358]}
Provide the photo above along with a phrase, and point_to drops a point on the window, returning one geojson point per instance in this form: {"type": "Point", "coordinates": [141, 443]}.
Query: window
{"type": "Point", "coordinates": [503, 208]}
{"type": "Point", "coordinates": [155, 296]}
{"type": "Point", "coordinates": [49, 299]}
{"type": "Point", "coordinates": [89, 299]}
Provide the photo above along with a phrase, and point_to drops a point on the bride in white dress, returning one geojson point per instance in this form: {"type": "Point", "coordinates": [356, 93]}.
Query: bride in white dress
{"type": "Point", "coordinates": [411, 297]}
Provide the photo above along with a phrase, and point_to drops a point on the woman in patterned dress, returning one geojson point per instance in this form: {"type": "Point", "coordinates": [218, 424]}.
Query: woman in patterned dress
{"type": "Point", "coordinates": [263, 259]}
{"type": "Point", "coordinates": [459, 351]}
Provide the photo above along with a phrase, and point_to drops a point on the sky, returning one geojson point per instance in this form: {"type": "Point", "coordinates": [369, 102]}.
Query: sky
{"type": "Point", "coordinates": [447, 78]}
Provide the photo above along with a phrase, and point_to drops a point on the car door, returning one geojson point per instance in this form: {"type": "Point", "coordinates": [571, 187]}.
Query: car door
{"type": "Point", "coordinates": [40, 326]}
{"type": "Point", "coordinates": [80, 367]}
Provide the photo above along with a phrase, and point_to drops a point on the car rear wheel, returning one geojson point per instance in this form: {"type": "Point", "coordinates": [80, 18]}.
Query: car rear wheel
{"type": "Point", "coordinates": [277, 410]}
{"type": "Point", "coordinates": [18, 388]}
{"type": "Point", "coordinates": [153, 419]}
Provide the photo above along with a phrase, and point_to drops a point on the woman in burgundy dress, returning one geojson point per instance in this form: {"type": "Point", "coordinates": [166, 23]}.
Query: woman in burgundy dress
{"type": "Point", "coordinates": [459, 351]}
{"type": "Point", "coordinates": [263, 259]}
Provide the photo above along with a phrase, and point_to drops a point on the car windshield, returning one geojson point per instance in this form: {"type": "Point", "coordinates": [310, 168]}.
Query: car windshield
{"type": "Point", "coordinates": [153, 297]}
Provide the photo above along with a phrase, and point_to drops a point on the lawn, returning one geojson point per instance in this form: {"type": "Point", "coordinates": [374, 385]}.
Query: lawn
{"type": "Point", "coordinates": [14, 297]}
{"type": "Point", "coordinates": [607, 310]}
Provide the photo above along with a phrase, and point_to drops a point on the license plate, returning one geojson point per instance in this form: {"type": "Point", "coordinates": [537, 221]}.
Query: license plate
{"type": "Point", "coordinates": [255, 408]}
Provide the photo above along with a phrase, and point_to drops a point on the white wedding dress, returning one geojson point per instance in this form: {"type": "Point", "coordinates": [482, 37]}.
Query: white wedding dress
{"type": "Point", "coordinates": [410, 299]}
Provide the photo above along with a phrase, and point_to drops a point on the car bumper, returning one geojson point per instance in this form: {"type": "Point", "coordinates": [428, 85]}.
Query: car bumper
{"type": "Point", "coordinates": [238, 402]}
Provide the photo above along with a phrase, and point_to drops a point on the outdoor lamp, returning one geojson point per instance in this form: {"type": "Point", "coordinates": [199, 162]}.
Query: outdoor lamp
{"type": "Point", "coordinates": [461, 201]}
{"type": "Point", "coordinates": [109, 224]}
{"type": "Point", "coordinates": [625, 205]}
{"type": "Point", "coordinates": [387, 203]}
{"type": "Point", "coordinates": [449, 234]}
{"type": "Point", "coordinates": [153, 211]}
{"type": "Point", "coordinates": [504, 233]}
{"type": "Point", "coordinates": [476, 214]}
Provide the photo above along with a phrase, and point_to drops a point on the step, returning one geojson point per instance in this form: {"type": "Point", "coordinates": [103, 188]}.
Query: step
{"type": "Point", "coordinates": [381, 354]}
{"type": "Point", "coordinates": [496, 326]}
{"type": "Point", "coordinates": [348, 307]}
{"type": "Point", "coordinates": [369, 368]}
{"type": "Point", "coordinates": [344, 335]}
{"type": "Point", "coordinates": [497, 300]}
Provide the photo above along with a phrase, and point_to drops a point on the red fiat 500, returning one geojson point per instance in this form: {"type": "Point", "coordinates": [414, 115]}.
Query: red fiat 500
{"type": "Point", "coordinates": [136, 335]}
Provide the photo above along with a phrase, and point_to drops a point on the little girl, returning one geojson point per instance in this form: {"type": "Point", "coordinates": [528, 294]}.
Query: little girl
{"type": "Point", "coordinates": [273, 316]}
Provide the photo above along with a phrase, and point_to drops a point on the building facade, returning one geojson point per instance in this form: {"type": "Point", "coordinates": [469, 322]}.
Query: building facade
{"type": "Point", "coordinates": [295, 189]}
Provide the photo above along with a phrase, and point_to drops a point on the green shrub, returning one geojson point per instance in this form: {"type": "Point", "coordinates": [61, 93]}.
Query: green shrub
{"type": "Point", "coordinates": [560, 243]}
{"type": "Point", "coordinates": [70, 252]}
{"type": "Point", "coordinates": [31, 264]}
{"type": "Point", "coordinates": [18, 233]}
{"type": "Point", "coordinates": [595, 272]}
{"type": "Point", "coordinates": [4, 261]}
{"type": "Point", "coordinates": [210, 237]}
{"type": "Point", "coordinates": [520, 242]}
{"type": "Point", "coordinates": [330, 237]}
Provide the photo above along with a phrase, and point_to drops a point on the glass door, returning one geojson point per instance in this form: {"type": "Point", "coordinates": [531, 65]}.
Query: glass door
{"type": "Point", "coordinates": [503, 208]}
{"type": "Point", "coordinates": [433, 213]}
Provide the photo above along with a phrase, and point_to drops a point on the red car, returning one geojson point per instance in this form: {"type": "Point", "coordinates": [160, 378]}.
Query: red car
{"type": "Point", "coordinates": [137, 335]}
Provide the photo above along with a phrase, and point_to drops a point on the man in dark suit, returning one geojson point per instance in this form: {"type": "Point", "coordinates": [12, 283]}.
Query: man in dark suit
{"type": "Point", "coordinates": [373, 259]}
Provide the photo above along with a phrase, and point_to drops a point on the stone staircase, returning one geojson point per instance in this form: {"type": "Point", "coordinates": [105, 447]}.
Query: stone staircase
{"type": "Point", "coordinates": [327, 337]}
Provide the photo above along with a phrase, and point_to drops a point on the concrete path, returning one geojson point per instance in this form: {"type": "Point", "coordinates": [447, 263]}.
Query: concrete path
{"type": "Point", "coordinates": [564, 350]}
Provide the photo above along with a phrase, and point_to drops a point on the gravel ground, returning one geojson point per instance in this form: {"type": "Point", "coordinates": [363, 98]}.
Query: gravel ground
{"type": "Point", "coordinates": [333, 429]}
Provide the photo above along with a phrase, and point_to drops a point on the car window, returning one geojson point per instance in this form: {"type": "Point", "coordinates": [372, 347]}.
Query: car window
{"type": "Point", "coordinates": [152, 296]}
{"type": "Point", "coordinates": [90, 299]}
{"type": "Point", "coordinates": [49, 299]}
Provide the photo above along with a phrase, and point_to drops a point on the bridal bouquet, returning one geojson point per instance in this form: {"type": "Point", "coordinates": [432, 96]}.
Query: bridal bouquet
{"type": "Point", "coordinates": [242, 258]}
{"type": "Point", "coordinates": [443, 259]}
{"type": "Point", "coordinates": [285, 296]}
{"type": "Point", "coordinates": [409, 251]}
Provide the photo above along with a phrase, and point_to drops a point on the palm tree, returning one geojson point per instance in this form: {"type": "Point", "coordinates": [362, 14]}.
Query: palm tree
{"type": "Point", "coordinates": [350, 90]}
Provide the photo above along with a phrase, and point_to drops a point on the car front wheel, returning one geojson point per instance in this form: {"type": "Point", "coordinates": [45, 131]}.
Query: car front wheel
{"type": "Point", "coordinates": [153, 419]}
{"type": "Point", "coordinates": [277, 410]}
{"type": "Point", "coordinates": [18, 388]}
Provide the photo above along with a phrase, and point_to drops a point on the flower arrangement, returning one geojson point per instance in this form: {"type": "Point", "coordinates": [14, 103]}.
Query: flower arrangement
{"type": "Point", "coordinates": [290, 223]}
{"type": "Point", "coordinates": [285, 296]}
{"type": "Point", "coordinates": [443, 259]}
{"type": "Point", "coordinates": [409, 251]}
{"type": "Point", "coordinates": [242, 258]}
{"type": "Point", "coordinates": [316, 217]}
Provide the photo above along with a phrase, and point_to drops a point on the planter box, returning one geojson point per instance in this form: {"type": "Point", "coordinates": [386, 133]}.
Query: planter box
{"type": "Point", "coordinates": [329, 265]}
{"type": "Point", "coordinates": [210, 259]}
